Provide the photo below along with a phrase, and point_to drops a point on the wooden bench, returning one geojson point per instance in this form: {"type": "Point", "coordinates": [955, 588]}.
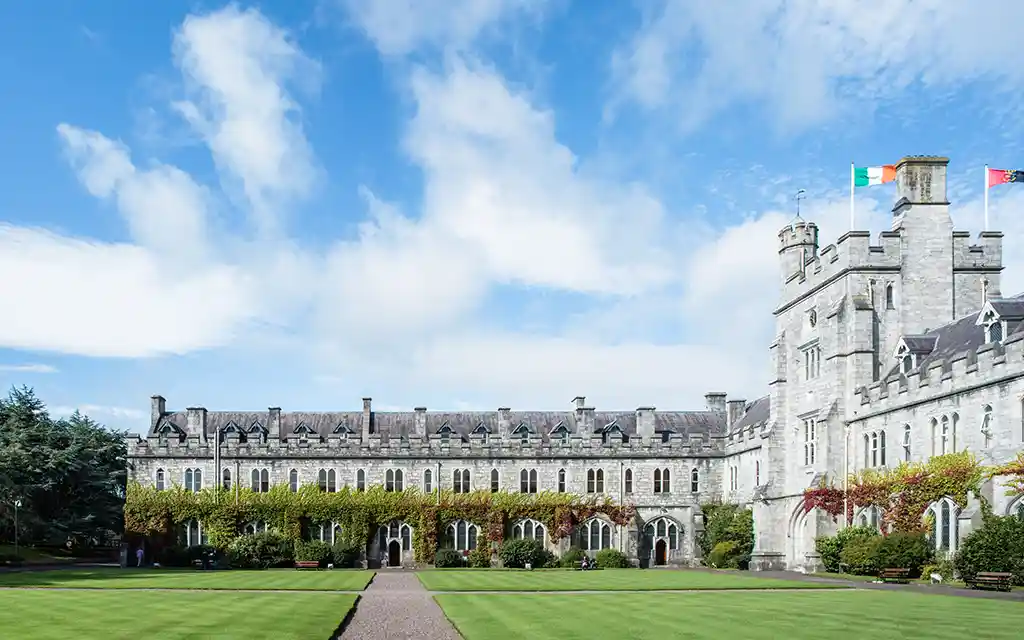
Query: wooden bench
{"type": "Point", "coordinates": [898, 576]}
{"type": "Point", "coordinates": [307, 564]}
{"type": "Point", "coordinates": [992, 580]}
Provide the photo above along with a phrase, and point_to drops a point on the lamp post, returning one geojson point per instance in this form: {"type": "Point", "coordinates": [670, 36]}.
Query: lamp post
{"type": "Point", "coordinates": [17, 505]}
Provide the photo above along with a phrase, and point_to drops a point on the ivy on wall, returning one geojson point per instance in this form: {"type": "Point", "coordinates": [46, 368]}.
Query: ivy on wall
{"type": "Point", "coordinates": [157, 514]}
{"type": "Point", "coordinates": [902, 495]}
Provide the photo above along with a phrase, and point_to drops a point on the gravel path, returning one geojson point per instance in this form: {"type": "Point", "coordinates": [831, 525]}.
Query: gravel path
{"type": "Point", "coordinates": [396, 606]}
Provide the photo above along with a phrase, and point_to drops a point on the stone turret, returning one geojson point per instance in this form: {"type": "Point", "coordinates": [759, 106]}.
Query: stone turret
{"type": "Point", "coordinates": [798, 243]}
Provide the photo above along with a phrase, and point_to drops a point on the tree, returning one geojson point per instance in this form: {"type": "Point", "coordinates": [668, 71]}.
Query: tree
{"type": "Point", "coordinates": [70, 474]}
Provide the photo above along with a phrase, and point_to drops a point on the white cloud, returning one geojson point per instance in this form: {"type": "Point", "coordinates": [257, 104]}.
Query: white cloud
{"type": "Point", "coordinates": [237, 66]}
{"type": "Point", "coordinates": [27, 368]}
{"type": "Point", "coordinates": [398, 27]}
{"type": "Point", "coordinates": [806, 60]}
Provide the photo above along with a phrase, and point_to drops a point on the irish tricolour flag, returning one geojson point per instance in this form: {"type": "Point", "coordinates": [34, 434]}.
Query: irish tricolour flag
{"type": "Point", "coordinates": [870, 176]}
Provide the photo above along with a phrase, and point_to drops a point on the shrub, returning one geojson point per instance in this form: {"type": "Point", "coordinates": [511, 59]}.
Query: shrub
{"type": "Point", "coordinates": [727, 523]}
{"type": "Point", "coordinates": [480, 558]}
{"type": "Point", "coordinates": [515, 554]}
{"type": "Point", "coordinates": [346, 555]}
{"type": "Point", "coordinates": [998, 545]}
{"type": "Point", "coordinates": [722, 555]}
{"type": "Point", "coordinates": [313, 551]}
{"type": "Point", "coordinates": [943, 566]}
{"type": "Point", "coordinates": [448, 559]}
{"type": "Point", "coordinates": [902, 550]}
{"type": "Point", "coordinates": [860, 555]}
{"type": "Point", "coordinates": [573, 557]}
{"type": "Point", "coordinates": [174, 556]}
{"type": "Point", "coordinates": [261, 551]}
{"type": "Point", "coordinates": [830, 548]}
{"type": "Point", "coordinates": [612, 559]}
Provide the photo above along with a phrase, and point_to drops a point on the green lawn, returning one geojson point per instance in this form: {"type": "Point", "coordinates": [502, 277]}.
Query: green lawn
{"type": "Point", "coordinates": [848, 614]}
{"type": "Point", "coordinates": [32, 555]}
{"type": "Point", "coordinates": [114, 578]}
{"type": "Point", "coordinates": [604, 580]}
{"type": "Point", "coordinates": [99, 615]}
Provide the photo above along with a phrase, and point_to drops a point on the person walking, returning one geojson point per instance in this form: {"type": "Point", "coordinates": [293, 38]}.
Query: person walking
{"type": "Point", "coordinates": [139, 553]}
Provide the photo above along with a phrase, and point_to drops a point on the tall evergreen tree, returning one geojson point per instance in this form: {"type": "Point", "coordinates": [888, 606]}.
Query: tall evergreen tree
{"type": "Point", "coordinates": [69, 474]}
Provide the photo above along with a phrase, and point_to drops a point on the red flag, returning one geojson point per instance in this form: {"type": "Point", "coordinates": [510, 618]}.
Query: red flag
{"type": "Point", "coordinates": [1004, 176]}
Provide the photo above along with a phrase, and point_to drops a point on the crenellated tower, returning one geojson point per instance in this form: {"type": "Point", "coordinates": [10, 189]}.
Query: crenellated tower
{"type": "Point", "coordinates": [798, 245]}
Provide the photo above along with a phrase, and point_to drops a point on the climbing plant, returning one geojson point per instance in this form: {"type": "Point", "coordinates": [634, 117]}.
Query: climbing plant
{"type": "Point", "coordinates": [156, 514]}
{"type": "Point", "coordinates": [902, 494]}
{"type": "Point", "coordinates": [1015, 470]}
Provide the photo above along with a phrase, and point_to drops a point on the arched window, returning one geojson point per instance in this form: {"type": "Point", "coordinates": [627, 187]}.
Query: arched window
{"type": "Point", "coordinates": [461, 535]}
{"type": "Point", "coordinates": [528, 481]}
{"type": "Point", "coordinates": [528, 529]}
{"type": "Point", "coordinates": [360, 480]}
{"type": "Point", "coordinates": [332, 481]}
{"type": "Point", "coordinates": [869, 517]}
{"type": "Point", "coordinates": [890, 302]}
{"type": "Point", "coordinates": [225, 478]}
{"type": "Point", "coordinates": [657, 481]}
{"type": "Point", "coordinates": [293, 480]}
{"type": "Point", "coordinates": [944, 442]}
{"type": "Point", "coordinates": [590, 480]}
{"type": "Point", "coordinates": [661, 481]}
{"type": "Point", "coordinates": [954, 422]}
{"type": "Point", "coordinates": [393, 480]}
{"type": "Point", "coordinates": [943, 515]}
{"type": "Point", "coordinates": [495, 481]}
{"type": "Point", "coordinates": [694, 481]}
{"type": "Point", "coordinates": [600, 480]}
{"type": "Point", "coordinates": [561, 481]}
{"type": "Point", "coordinates": [255, 527]}
{"type": "Point", "coordinates": [264, 481]}
{"type": "Point", "coordinates": [399, 480]}
{"type": "Point", "coordinates": [757, 473]}
{"type": "Point", "coordinates": [394, 531]}
{"type": "Point", "coordinates": [329, 532]}
{"type": "Point", "coordinates": [663, 529]}
{"type": "Point", "coordinates": [935, 436]}
{"type": "Point", "coordinates": [460, 481]}
{"type": "Point", "coordinates": [160, 480]}
{"type": "Point", "coordinates": [867, 450]}
{"type": "Point", "coordinates": [254, 483]}
{"type": "Point", "coordinates": [428, 481]}
{"type": "Point", "coordinates": [193, 534]}
{"type": "Point", "coordinates": [627, 481]}
{"type": "Point", "coordinates": [986, 425]}
{"type": "Point", "coordinates": [906, 443]}
{"type": "Point", "coordinates": [193, 479]}
{"type": "Point", "coordinates": [596, 535]}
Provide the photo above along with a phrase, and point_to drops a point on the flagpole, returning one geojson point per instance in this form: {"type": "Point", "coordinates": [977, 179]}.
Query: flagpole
{"type": "Point", "coordinates": [853, 182]}
{"type": "Point", "coordinates": [986, 197]}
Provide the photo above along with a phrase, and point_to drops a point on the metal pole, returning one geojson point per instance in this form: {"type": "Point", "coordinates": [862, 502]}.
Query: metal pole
{"type": "Point", "coordinates": [17, 505]}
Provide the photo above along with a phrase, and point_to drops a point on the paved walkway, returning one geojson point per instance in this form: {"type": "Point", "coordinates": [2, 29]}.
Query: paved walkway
{"type": "Point", "coordinates": [396, 606]}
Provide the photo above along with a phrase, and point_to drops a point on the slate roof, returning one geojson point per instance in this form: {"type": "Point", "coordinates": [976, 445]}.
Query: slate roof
{"type": "Point", "coordinates": [961, 335]}
{"type": "Point", "coordinates": [392, 424]}
{"type": "Point", "coordinates": [755, 415]}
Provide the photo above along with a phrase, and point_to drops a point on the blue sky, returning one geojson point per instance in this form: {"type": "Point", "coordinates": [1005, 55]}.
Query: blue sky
{"type": "Point", "coordinates": [454, 203]}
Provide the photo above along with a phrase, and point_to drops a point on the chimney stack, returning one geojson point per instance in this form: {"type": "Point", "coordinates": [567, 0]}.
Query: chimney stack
{"type": "Point", "coordinates": [367, 418]}
{"type": "Point", "coordinates": [157, 409]}
{"type": "Point", "coordinates": [715, 401]}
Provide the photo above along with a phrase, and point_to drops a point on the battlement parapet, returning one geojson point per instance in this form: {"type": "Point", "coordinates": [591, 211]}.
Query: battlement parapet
{"type": "Point", "coordinates": [590, 446]}
{"type": "Point", "coordinates": [986, 254]}
{"type": "Point", "coordinates": [987, 364]}
{"type": "Point", "coordinates": [852, 251]}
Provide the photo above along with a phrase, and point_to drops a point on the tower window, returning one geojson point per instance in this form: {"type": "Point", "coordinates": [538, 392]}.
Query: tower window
{"type": "Point", "coordinates": [890, 302]}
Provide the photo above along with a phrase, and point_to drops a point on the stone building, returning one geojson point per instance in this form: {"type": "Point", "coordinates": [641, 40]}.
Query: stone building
{"type": "Point", "coordinates": [883, 353]}
{"type": "Point", "coordinates": [667, 463]}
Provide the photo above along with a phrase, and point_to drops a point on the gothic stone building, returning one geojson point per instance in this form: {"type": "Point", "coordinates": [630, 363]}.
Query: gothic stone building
{"type": "Point", "coordinates": [883, 353]}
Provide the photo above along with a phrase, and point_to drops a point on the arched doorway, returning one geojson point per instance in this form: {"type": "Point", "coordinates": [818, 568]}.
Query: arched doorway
{"type": "Point", "coordinates": [394, 554]}
{"type": "Point", "coordinates": [660, 552]}
{"type": "Point", "coordinates": [801, 541]}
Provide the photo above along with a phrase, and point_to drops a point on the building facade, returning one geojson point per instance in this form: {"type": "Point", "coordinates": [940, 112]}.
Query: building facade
{"type": "Point", "coordinates": [883, 353]}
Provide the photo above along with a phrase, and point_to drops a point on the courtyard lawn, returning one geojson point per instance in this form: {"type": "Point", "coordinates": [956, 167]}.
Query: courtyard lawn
{"type": "Point", "coordinates": [116, 578]}
{"type": "Point", "coordinates": [848, 614]}
{"type": "Point", "coordinates": [98, 615]}
{"type": "Point", "coordinates": [603, 580]}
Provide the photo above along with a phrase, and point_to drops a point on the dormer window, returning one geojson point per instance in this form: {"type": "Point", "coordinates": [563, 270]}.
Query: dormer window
{"type": "Point", "coordinates": [993, 323]}
{"type": "Point", "coordinates": [994, 332]}
{"type": "Point", "coordinates": [907, 363]}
